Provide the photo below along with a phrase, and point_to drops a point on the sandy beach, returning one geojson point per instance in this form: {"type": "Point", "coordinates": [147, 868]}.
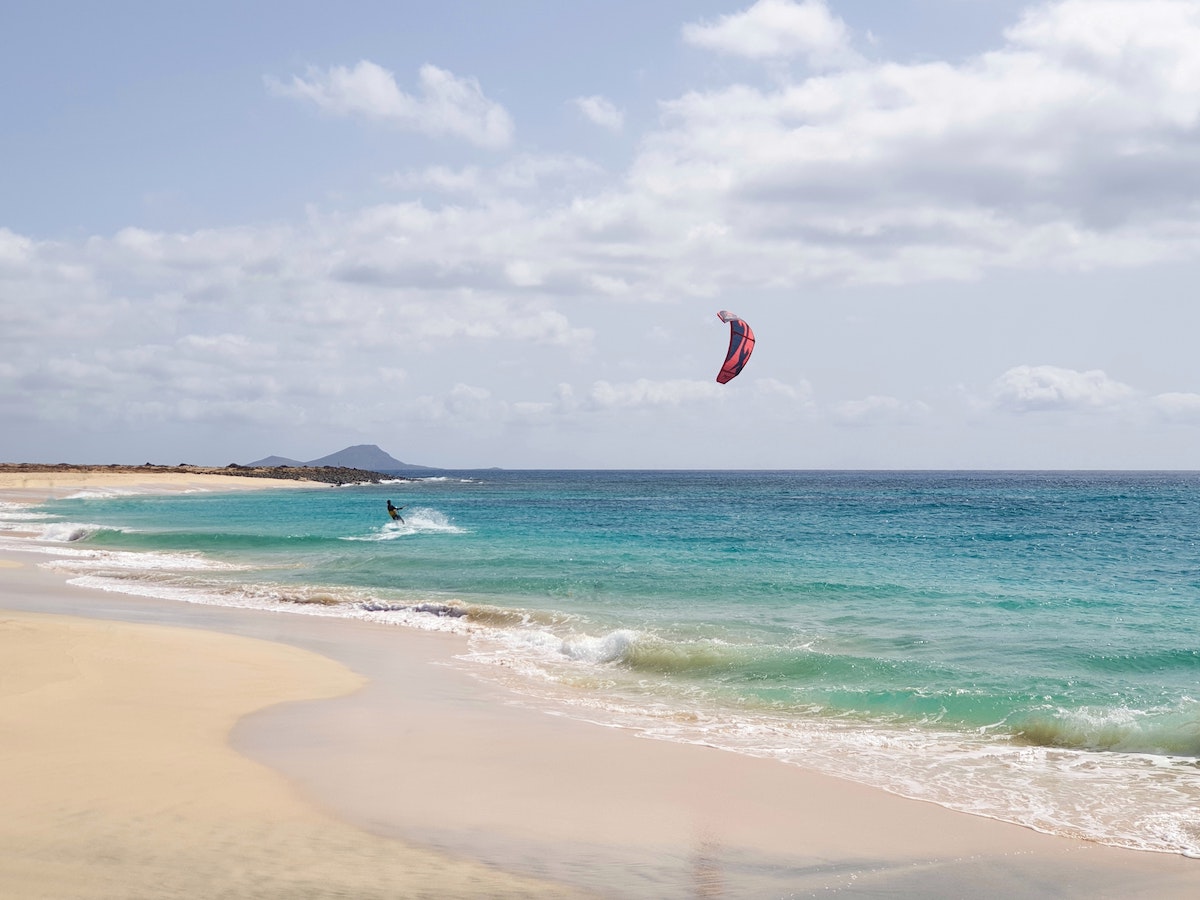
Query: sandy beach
{"type": "Point", "coordinates": [117, 778]}
{"type": "Point", "coordinates": [48, 484]}
{"type": "Point", "coordinates": [157, 749]}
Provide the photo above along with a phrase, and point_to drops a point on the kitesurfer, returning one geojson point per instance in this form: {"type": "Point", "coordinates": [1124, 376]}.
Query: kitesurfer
{"type": "Point", "coordinates": [394, 512]}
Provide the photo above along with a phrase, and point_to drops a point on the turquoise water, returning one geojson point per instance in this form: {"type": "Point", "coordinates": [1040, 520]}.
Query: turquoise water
{"type": "Point", "coordinates": [1020, 645]}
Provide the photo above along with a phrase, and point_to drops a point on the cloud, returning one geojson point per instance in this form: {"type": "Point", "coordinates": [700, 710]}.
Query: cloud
{"type": "Point", "coordinates": [1050, 388]}
{"type": "Point", "coordinates": [1071, 145]}
{"type": "Point", "coordinates": [1177, 407]}
{"type": "Point", "coordinates": [446, 104]}
{"type": "Point", "coordinates": [1054, 150]}
{"type": "Point", "coordinates": [775, 29]}
{"type": "Point", "coordinates": [601, 112]}
{"type": "Point", "coordinates": [261, 325]}
{"type": "Point", "coordinates": [545, 173]}
{"type": "Point", "coordinates": [876, 409]}
{"type": "Point", "coordinates": [773, 390]}
{"type": "Point", "coordinates": [1150, 42]}
{"type": "Point", "coordinates": [14, 248]}
{"type": "Point", "coordinates": [647, 393]}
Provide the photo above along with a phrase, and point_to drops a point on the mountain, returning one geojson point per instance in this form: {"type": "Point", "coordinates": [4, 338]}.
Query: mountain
{"type": "Point", "coordinates": [360, 456]}
{"type": "Point", "coordinates": [276, 461]}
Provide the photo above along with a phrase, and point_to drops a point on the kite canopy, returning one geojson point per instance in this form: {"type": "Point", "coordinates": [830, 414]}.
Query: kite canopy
{"type": "Point", "coordinates": [741, 345]}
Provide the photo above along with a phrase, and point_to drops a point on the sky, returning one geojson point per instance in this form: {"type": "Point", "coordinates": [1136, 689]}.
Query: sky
{"type": "Point", "coordinates": [966, 232]}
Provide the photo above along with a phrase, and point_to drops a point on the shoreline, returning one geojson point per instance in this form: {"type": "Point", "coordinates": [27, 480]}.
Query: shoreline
{"type": "Point", "coordinates": [424, 754]}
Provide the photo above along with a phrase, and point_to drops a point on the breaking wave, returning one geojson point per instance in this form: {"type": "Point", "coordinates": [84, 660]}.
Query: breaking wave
{"type": "Point", "coordinates": [1167, 732]}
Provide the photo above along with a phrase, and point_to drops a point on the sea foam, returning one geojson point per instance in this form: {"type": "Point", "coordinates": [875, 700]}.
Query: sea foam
{"type": "Point", "coordinates": [417, 520]}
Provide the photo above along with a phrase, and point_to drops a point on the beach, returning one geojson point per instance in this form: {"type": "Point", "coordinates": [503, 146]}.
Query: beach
{"type": "Point", "coordinates": [33, 486]}
{"type": "Point", "coordinates": [162, 749]}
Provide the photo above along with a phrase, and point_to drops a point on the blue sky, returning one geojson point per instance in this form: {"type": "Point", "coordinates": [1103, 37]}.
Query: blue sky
{"type": "Point", "coordinates": [481, 234]}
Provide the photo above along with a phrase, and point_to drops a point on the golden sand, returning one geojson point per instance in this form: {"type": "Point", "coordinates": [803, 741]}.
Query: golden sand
{"type": "Point", "coordinates": [116, 778]}
{"type": "Point", "coordinates": [44, 485]}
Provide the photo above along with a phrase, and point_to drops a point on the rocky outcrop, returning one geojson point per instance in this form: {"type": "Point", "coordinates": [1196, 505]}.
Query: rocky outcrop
{"type": "Point", "coordinates": [324, 474]}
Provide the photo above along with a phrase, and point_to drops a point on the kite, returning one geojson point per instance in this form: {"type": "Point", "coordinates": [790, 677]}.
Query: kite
{"type": "Point", "coordinates": [741, 345]}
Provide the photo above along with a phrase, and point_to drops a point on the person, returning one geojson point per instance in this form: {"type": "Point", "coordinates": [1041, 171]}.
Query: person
{"type": "Point", "coordinates": [394, 512]}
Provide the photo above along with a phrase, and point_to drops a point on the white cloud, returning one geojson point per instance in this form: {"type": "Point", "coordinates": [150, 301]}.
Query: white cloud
{"type": "Point", "coordinates": [1150, 43]}
{"type": "Point", "coordinates": [1050, 388]}
{"type": "Point", "coordinates": [14, 248]}
{"type": "Point", "coordinates": [1071, 146]}
{"type": "Point", "coordinates": [522, 173]}
{"type": "Point", "coordinates": [523, 273]}
{"type": "Point", "coordinates": [446, 105]}
{"type": "Point", "coordinates": [782, 396]}
{"type": "Point", "coordinates": [647, 393]}
{"type": "Point", "coordinates": [535, 171]}
{"type": "Point", "coordinates": [602, 112]}
{"type": "Point", "coordinates": [143, 324]}
{"type": "Point", "coordinates": [877, 409]}
{"type": "Point", "coordinates": [774, 29]}
{"type": "Point", "coordinates": [1177, 407]}
{"type": "Point", "coordinates": [612, 287]}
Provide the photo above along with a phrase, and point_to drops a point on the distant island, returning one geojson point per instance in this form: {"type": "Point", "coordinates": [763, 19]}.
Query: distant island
{"type": "Point", "coordinates": [360, 456]}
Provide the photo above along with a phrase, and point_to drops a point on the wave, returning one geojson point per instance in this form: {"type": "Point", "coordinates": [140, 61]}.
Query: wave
{"type": "Point", "coordinates": [48, 528]}
{"type": "Point", "coordinates": [20, 512]}
{"type": "Point", "coordinates": [503, 617]}
{"type": "Point", "coordinates": [96, 561]}
{"type": "Point", "coordinates": [1166, 731]}
{"type": "Point", "coordinates": [432, 479]}
{"type": "Point", "coordinates": [68, 532]}
{"type": "Point", "coordinates": [108, 493]}
{"type": "Point", "coordinates": [541, 635]}
{"type": "Point", "coordinates": [194, 578]}
{"type": "Point", "coordinates": [612, 647]}
{"type": "Point", "coordinates": [442, 610]}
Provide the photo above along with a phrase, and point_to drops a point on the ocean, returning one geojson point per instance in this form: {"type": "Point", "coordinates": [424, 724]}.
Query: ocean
{"type": "Point", "coordinates": [1023, 646]}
